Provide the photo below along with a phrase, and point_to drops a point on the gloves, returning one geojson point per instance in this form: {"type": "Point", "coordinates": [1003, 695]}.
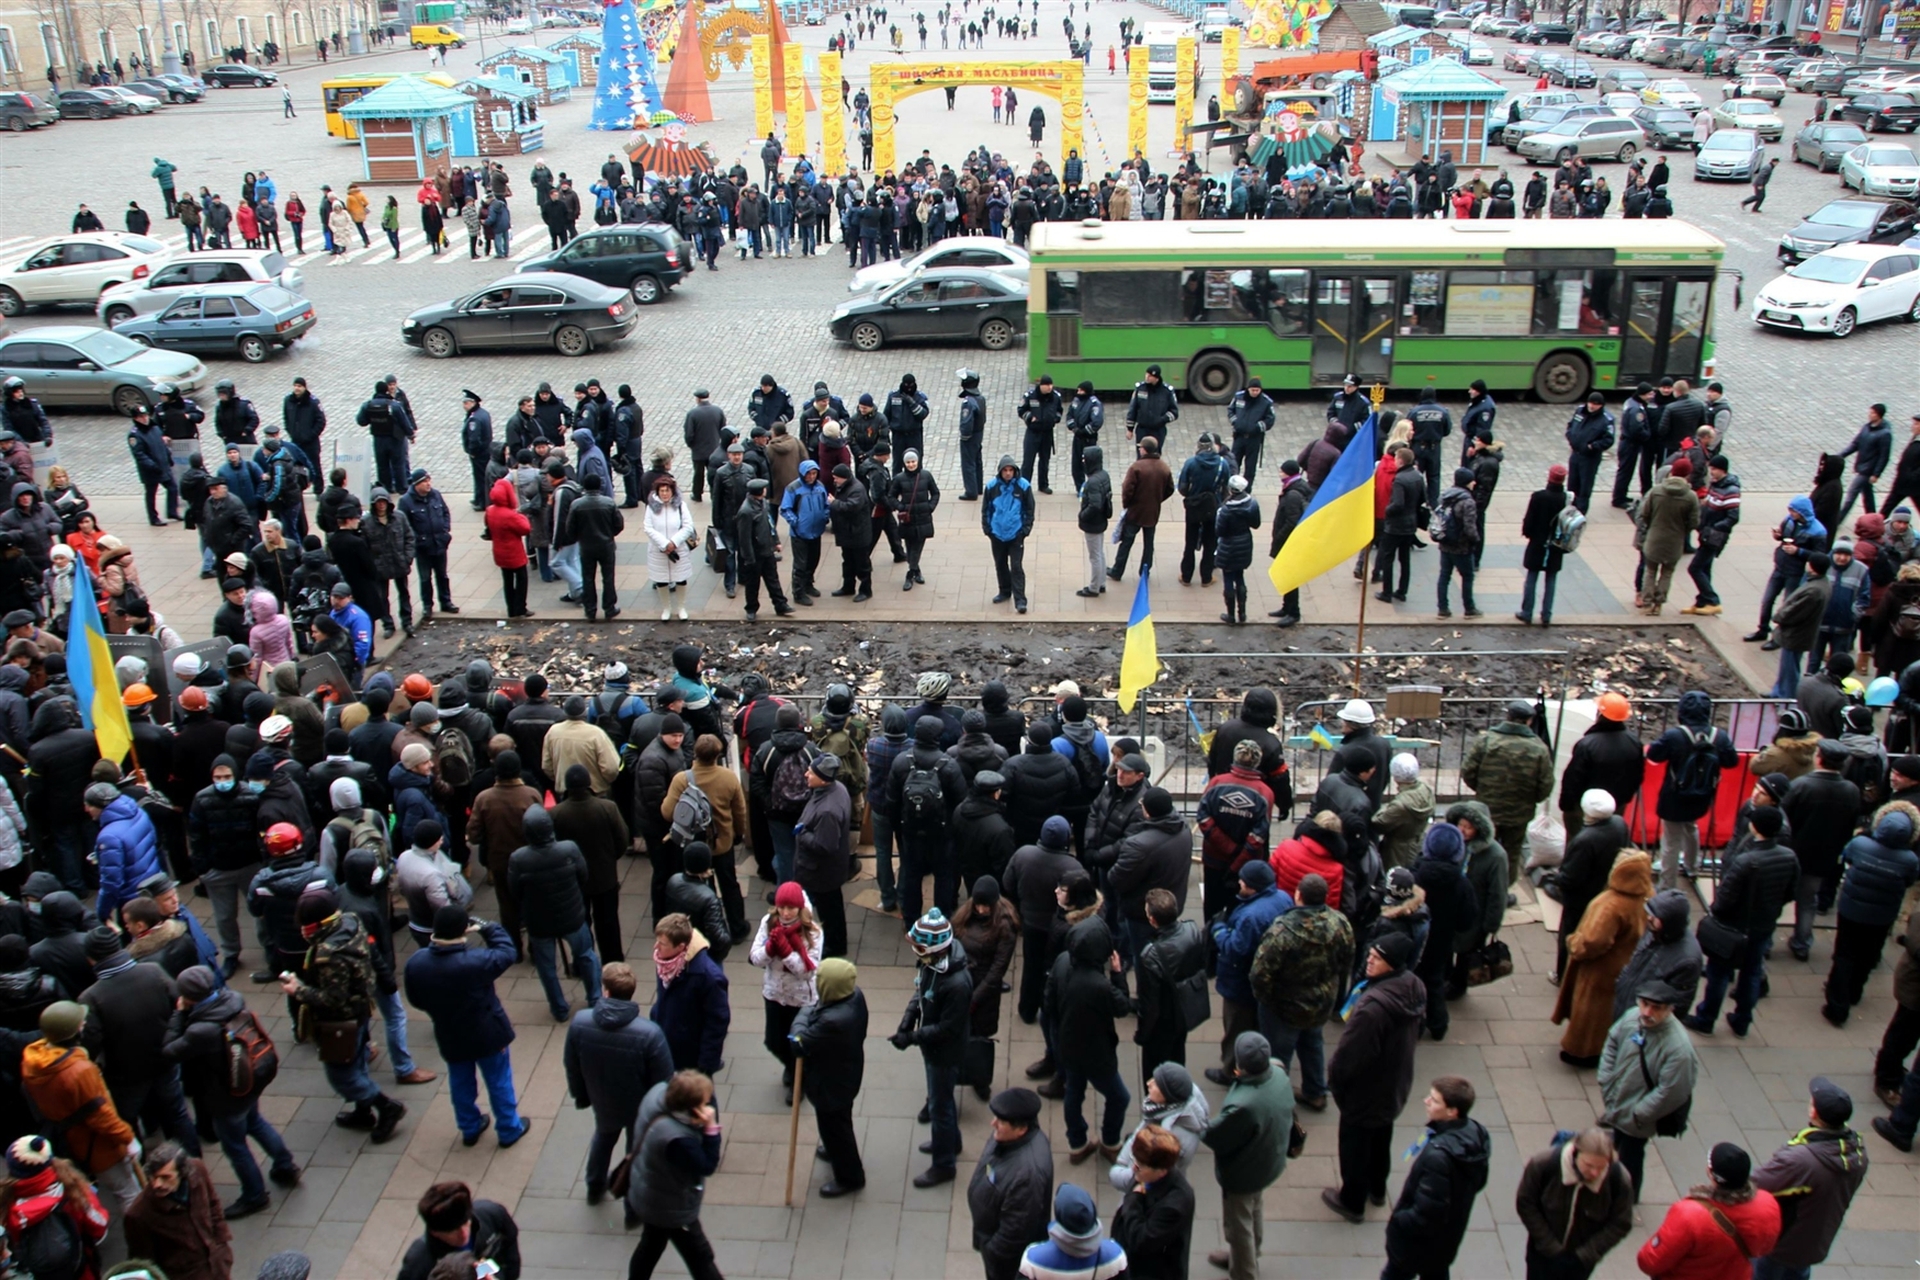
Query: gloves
{"type": "Point", "coordinates": [901, 1040]}
{"type": "Point", "coordinates": [777, 944]}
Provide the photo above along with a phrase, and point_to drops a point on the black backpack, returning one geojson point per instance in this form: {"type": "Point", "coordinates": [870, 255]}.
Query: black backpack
{"type": "Point", "coordinates": [923, 801]}
{"type": "Point", "coordinates": [1696, 775]}
{"type": "Point", "coordinates": [50, 1249]}
{"type": "Point", "coordinates": [1087, 768]}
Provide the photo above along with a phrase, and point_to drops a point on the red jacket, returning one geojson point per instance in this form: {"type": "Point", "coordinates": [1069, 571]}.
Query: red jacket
{"type": "Point", "coordinates": [1691, 1246]}
{"type": "Point", "coordinates": [1295, 858]}
{"type": "Point", "coordinates": [506, 526]}
{"type": "Point", "coordinates": [1383, 473]}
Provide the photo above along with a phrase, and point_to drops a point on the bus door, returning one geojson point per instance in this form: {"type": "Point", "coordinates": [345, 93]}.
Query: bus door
{"type": "Point", "coordinates": [1666, 322]}
{"type": "Point", "coordinates": [1353, 318]}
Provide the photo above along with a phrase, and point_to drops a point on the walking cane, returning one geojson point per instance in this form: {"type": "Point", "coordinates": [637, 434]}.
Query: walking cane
{"type": "Point", "coordinates": [793, 1127]}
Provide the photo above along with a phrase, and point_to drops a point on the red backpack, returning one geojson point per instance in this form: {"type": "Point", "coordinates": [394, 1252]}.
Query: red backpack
{"type": "Point", "coordinates": [252, 1061]}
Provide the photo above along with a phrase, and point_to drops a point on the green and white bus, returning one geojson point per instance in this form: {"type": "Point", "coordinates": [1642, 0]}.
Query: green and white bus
{"type": "Point", "coordinates": [1549, 306]}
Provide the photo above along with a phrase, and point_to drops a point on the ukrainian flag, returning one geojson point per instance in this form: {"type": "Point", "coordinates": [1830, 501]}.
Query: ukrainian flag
{"type": "Point", "coordinates": [90, 669]}
{"type": "Point", "coordinates": [1337, 523]}
{"type": "Point", "coordinates": [1140, 664]}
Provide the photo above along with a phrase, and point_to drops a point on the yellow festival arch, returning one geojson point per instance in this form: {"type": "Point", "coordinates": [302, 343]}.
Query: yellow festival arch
{"type": "Point", "coordinates": [1063, 81]}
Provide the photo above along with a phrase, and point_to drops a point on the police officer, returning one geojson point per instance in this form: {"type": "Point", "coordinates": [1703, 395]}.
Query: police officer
{"type": "Point", "coordinates": [629, 432]}
{"type": "Point", "coordinates": [24, 416]}
{"type": "Point", "coordinates": [1431, 424]}
{"type": "Point", "coordinates": [1589, 436]}
{"type": "Point", "coordinates": [769, 403]}
{"type": "Point", "coordinates": [1152, 409]}
{"type": "Point", "coordinates": [1477, 422]}
{"type": "Point", "coordinates": [476, 437]}
{"type": "Point", "coordinates": [906, 414]}
{"type": "Point", "coordinates": [180, 420]}
{"type": "Point", "coordinates": [1638, 452]}
{"type": "Point", "coordinates": [1349, 406]}
{"type": "Point", "coordinates": [1250, 414]}
{"type": "Point", "coordinates": [303, 418]}
{"type": "Point", "coordinates": [1041, 410]}
{"type": "Point", "coordinates": [234, 416]}
{"type": "Point", "coordinates": [390, 427]}
{"type": "Point", "coordinates": [1085, 416]}
{"type": "Point", "coordinates": [973, 425]}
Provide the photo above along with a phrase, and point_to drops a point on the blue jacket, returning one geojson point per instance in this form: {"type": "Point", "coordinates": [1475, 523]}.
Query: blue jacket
{"type": "Point", "coordinates": [1047, 1260]}
{"type": "Point", "coordinates": [1872, 446]}
{"type": "Point", "coordinates": [432, 522]}
{"type": "Point", "coordinates": [1006, 515]}
{"type": "Point", "coordinates": [693, 1012]}
{"type": "Point", "coordinates": [1879, 868]}
{"type": "Point", "coordinates": [592, 461]}
{"type": "Point", "coordinates": [1204, 473]}
{"type": "Point", "coordinates": [128, 851]}
{"type": "Point", "coordinates": [412, 801]}
{"type": "Point", "coordinates": [804, 506]}
{"type": "Point", "coordinates": [245, 481]}
{"type": "Point", "coordinates": [1237, 937]}
{"type": "Point", "coordinates": [359, 629]}
{"type": "Point", "coordinates": [453, 985]}
{"type": "Point", "coordinates": [613, 1057]}
{"type": "Point", "coordinates": [1808, 535]}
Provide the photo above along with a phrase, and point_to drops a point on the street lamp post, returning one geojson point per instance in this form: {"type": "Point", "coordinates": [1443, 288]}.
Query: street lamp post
{"type": "Point", "coordinates": [356, 38]}
{"type": "Point", "coordinates": [169, 56]}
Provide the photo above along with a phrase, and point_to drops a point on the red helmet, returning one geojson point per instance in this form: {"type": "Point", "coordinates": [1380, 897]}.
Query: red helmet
{"type": "Point", "coordinates": [282, 837]}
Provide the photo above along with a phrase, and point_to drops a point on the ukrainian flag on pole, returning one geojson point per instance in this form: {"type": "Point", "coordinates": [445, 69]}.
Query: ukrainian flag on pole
{"type": "Point", "coordinates": [1140, 663]}
{"type": "Point", "coordinates": [90, 669]}
{"type": "Point", "coordinates": [1339, 520]}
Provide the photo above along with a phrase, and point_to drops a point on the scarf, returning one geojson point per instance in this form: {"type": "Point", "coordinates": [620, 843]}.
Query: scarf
{"type": "Point", "coordinates": [669, 969]}
{"type": "Point", "coordinates": [792, 939]}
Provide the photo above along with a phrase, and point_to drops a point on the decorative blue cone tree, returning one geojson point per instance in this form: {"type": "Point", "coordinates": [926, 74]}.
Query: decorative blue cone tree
{"type": "Point", "coordinates": [628, 95]}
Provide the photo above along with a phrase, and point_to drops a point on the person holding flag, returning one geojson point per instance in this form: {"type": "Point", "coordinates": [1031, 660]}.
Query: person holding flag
{"type": "Point", "coordinates": [1140, 660]}
{"type": "Point", "coordinates": [96, 687]}
{"type": "Point", "coordinates": [1336, 524]}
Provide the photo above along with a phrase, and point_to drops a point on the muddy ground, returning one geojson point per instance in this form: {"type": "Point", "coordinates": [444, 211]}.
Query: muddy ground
{"type": "Point", "coordinates": [1654, 662]}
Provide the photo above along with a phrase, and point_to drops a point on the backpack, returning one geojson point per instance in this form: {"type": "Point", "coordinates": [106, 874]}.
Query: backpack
{"type": "Point", "coordinates": [252, 1061]}
{"type": "Point", "coordinates": [692, 814]}
{"type": "Point", "coordinates": [790, 790]}
{"type": "Point", "coordinates": [1696, 775]}
{"type": "Point", "coordinates": [453, 757]}
{"type": "Point", "coordinates": [923, 801]}
{"type": "Point", "coordinates": [379, 420]}
{"type": "Point", "coordinates": [366, 832]}
{"type": "Point", "coordinates": [1086, 767]}
{"type": "Point", "coordinates": [853, 761]}
{"type": "Point", "coordinates": [1567, 528]}
{"type": "Point", "coordinates": [1906, 624]}
{"type": "Point", "coordinates": [50, 1249]}
{"type": "Point", "coordinates": [1444, 526]}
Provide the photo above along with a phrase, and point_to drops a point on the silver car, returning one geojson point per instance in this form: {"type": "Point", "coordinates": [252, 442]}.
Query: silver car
{"type": "Point", "coordinates": [1548, 117]}
{"type": "Point", "coordinates": [1729, 154]}
{"type": "Point", "coordinates": [70, 364]}
{"type": "Point", "coordinates": [1881, 169]}
{"type": "Point", "coordinates": [1612, 138]}
{"type": "Point", "coordinates": [122, 302]}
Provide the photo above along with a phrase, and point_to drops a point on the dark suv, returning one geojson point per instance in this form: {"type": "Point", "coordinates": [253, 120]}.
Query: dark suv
{"type": "Point", "coordinates": [91, 104]}
{"type": "Point", "coordinates": [229, 75]}
{"type": "Point", "coordinates": [1544, 33]}
{"type": "Point", "coordinates": [649, 258]}
{"type": "Point", "coordinates": [23, 111]}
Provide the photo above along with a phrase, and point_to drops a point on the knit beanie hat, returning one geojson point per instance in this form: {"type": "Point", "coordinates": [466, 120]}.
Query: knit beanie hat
{"type": "Point", "coordinates": [315, 905]}
{"type": "Point", "coordinates": [289, 1264]}
{"type": "Point", "coordinates": [697, 859]}
{"type": "Point", "coordinates": [1597, 805]}
{"type": "Point", "coordinates": [1056, 833]}
{"type": "Point", "coordinates": [196, 983]}
{"type": "Point", "coordinates": [1175, 1081]}
{"type": "Point", "coordinates": [29, 1155]}
{"type": "Point", "coordinates": [1252, 1055]}
{"type": "Point", "coordinates": [345, 794]}
{"type": "Point", "coordinates": [1399, 884]}
{"type": "Point", "coordinates": [790, 894]}
{"type": "Point", "coordinates": [1404, 767]}
{"type": "Point", "coordinates": [1076, 1223]}
{"type": "Point", "coordinates": [1396, 949]}
{"type": "Point", "coordinates": [931, 932]}
{"type": "Point", "coordinates": [103, 946]}
{"type": "Point", "coordinates": [1444, 843]}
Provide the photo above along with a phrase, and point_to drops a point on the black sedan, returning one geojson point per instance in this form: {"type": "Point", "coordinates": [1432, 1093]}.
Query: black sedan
{"type": "Point", "coordinates": [178, 89]}
{"type": "Point", "coordinates": [533, 310]}
{"type": "Point", "coordinates": [1880, 112]}
{"type": "Point", "coordinates": [954, 304]}
{"type": "Point", "coordinates": [230, 75]}
{"type": "Point", "coordinates": [1667, 128]}
{"type": "Point", "coordinates": [1853, 220]}
{"type": "Point", "coordinates": [1822, 144]}
{"type": "Point", "coordinates": [1575, 73]}
{"type": "Point", "coordinates": [91, 104]}
{"type": "Point", "coordinates": [1544, 33]}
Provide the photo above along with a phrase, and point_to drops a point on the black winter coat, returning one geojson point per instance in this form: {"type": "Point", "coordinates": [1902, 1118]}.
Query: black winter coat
{"type": "Point", "coordinates": [1155, 1227]}
{"type": "Point", "coordinates": [196, 1040]}
{"type": "Point", "coordinates": [1404, 500]}
{"type": "Point", "coordinates": [613, 1056]}
{"type": "Point", "coordinates": [62, 952]}
{"type": "Point", "coordinates": [938, 1017]}
{"type": "Point", "coordinates": [1430, 1218]}
{"type": "Point", "coordinates": [1822, 808]}
{"type": "Point", "coordinates": [548, 878]}
{"type": "Point", "coordinates": [60, 765]}
{"type": "Point", "coordinates": [1608, 758]}
{"type": "Point", "coordinates": [1115, 814]}
{"type": "Point", "coordinates": [697, 900]}
{"type": "Point", "coordinates": [914, 498]}
{"type": "Point", "coordinates": [1158, 854]}
{"type": "Point", "coordinates": [1371, 1070]}
{"type": "Point", "coordinates": [1755, 887]}
{"type": "Point", "coordinates": [983, 839]}
{"type": "Point", "coordinates": [453, 985]}
{"type": "Point", "coordinates": [1039, 782]}
{"type": "Point", "coordinates": [1083, 997]}
{"type": "Point", "coordinates": [1584, 870]}
{"type": "Point", "coordinates": [1543, 509]}
{"type": "Point", "coordinates": [1233, 526]}
{"type": "Point", "coordinates": [127, 1024]}
{"type": "Point", "coordinates": [832, 1037]}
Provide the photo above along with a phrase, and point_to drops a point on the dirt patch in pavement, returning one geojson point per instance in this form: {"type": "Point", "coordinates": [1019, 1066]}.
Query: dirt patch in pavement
{"type": "Point", "coordinates": [1655, 662]}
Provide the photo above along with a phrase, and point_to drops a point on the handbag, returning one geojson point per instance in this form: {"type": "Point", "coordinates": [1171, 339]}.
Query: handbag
{"type": "Point", "coordinates": [977, 1069]}
{"type": "Point", "coordinates": [1489, 963]}
{"type": "Point", "coordinates": [1719, 939]}
{"type": "Point", "coordinates": [1191, 994]}
{"type": "Point", "coordinates": [1296, 1141]}
{"type": "Point", "coordinates": [338, 1042]}
{"type": "Point", "coordinates": [621, 1175]}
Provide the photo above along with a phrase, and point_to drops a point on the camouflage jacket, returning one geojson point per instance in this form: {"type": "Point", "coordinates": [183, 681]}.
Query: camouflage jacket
{"type": "Point", "coordinates": [1301, 969]}
{"type": "Point", "coordinates": [1511, 771]}
{"type": "Point", "coordinates": [339, 974]}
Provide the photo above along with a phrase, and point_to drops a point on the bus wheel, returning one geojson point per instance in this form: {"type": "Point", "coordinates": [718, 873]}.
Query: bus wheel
{"type": "Point", "coordinates": [1213, 377]}
{"type": "Point", "coordinates": [1561, 378]}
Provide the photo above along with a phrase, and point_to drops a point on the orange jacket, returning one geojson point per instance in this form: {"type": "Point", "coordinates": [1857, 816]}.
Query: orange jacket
{"type": "Point", "coordinates": [59, 1083]}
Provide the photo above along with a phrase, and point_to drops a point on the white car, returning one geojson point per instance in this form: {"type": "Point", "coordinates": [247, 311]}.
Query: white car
{"type": "Point", "coordinates": [1621, 104]}
{"type": "Point", "coordinates": [77, 268]}
{"type": "Point", "coordinates": [141, 104]}
{"type": "Point", "coordinates": [1478, 55]}
{"type": "Point", "coordinates": [1750, 113]}
{"type": "Point", "coordinates": [1881, 169]}
{"type": "Point", "coordinates": [983, 253]}
{"type": "Point", "coordinates": [1847, 286]}
{"type": "Point", "coordinates": [220, 266]}
{"type": "Point", "coordinates": [1671, 93]}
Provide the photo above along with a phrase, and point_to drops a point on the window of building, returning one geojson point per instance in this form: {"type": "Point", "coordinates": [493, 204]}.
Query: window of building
{"type": "Point", "coordinates": [9, 54]}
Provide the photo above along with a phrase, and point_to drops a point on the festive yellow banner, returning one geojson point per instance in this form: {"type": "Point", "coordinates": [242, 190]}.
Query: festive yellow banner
{"type": "Point", "coordinates": [1137, 101]}
{"type": "Point", "coordinates": [762, 86]}
{"type": "Point", "coordinates": [1073, 110]}
{"type": "Point", "coordinates": [796, 99]}
{"type": "Point", "coordinates": [1062, 81]}
{"type": "Point", "coordinates": [1229, 58]}
{"type": "Point", "coordinates": [833, 124]}
{"type": "Point", "coordinates": [1183, 72]}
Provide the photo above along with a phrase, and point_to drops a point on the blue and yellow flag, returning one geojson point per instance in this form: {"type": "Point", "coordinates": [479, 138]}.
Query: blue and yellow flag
{"type": "Point", "coordinates": [90, 669]}
{"type": "Point", "coordinates": [1140, 664]}
{"type": "Point", "coordinates": [1337, 523]}
{"type": "Point", "coordinates": [1321, 738]}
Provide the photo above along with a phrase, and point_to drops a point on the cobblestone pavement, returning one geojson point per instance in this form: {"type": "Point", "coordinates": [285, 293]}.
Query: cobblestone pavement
{"type": "Point", "coordinates": [354, 1213]}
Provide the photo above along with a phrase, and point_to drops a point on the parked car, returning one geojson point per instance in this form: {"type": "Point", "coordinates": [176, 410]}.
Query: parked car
{"type": "Point", "coordinates": [254, 318]}
{"type": "Point", "coordinates": [214, 266]}
{"type": "Point", "coordinates": [1516, 58]}
{"type": "Point", "coordinates": [1818, 75]}
{"type": "Point", "coordinates": [77, 268]}
{"type": "Point", "coordinates": [1621, 104]}
{"type": "Point", "coordinates": [1667, 128]}
{"type": "Point", "coordinates": [1477, 55]}
{"type": "Point", "coordinates": [977, 253]}
{"type": "Point", "coordinates": [90, 104]}
{"type": "Point", "coordinates": [1505, 28]}
{"type": "Point", "coordinates": [1610, 138]}
{"type": "Point", "coordinates": [1575, 73]}
{"type": "Point", "coordinates": [76, 365]}
{"type": "Point", "coordinates": [1848, 220]}
{"type": "Point", "coordinates": [1881, 169]}
{"type": "Point", "coordinates": [1541, 63]}
{"type": "Point", "coordinates": [1451, 21]}
{"type": "Point", "coordinates": [1881, 80]}
{"type": "Point", "coordinates": [1826, 142]}
{"type": "Point", "coordinates": [1761, 84]}
{"type": "Point", "coordinates": [1880, 112]}
{"type": "Point", "coordinates": [532, 309]}
{"type": "Point", "coordinates": [647, 258]}
{"type": "Point", "coordinates": [1662, 51]}
{"type": "Point", "coordinates": [167, 90]}
{"type": "Point", "coordinates": [22, 111]}
{"type": "Point", "coordinates": [1548, 117]}
{"type": "Point", "coordinates": [1842, 288]}
{"type": "Point", "coordinates": [1545, 33]}
{"type": "Point", "coordinates": [948, 305]}
{"type": "Point", "coordinates": [1672, 93]}
{"type": "Point", "coordinates": [231, 75]}
{"type": "Point", "coordinates": [1623, 80]}
{"type": "Point", "coordinates": [139, 103]}
{"type": "Point", "coordinates": [1728, 154]}
{"type": "Point", "coordinates": [1750, 113]}
{"type": "Point", "coordinates": [189, 89]}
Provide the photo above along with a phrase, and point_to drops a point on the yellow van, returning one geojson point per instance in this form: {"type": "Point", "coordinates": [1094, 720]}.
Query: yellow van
{"type": "Point", "coordinates": [426, 37]}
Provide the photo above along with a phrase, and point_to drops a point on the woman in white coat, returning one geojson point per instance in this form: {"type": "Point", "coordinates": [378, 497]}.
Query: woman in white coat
{"type": "Point", "coordinates": [671, 538]}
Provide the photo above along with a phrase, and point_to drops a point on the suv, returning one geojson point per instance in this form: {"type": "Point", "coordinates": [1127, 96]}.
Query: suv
{"type": "Point", "coordinates": [220, 266]}
{"type": "Point", "coordinates": [1575, 73]}
{"type": "Point", "coordinates": [649, 258]}
{"type": "Point", "coordinates": [1611, 139]}
{"type": "Point", "coordinates": [229, 74]}
{"type": "Point", "coordinates": [91, 104]}
{"type": "Point", "coordinates": [1545, 33]}
{"type": "Point", "coordinates": [1547, 117]}
{"type": "Point", "coordinates": [23, 111]}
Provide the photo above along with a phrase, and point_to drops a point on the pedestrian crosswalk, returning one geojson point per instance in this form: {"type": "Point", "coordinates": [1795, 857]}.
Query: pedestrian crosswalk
{"type": "Point", "coordinates": [525, 244]}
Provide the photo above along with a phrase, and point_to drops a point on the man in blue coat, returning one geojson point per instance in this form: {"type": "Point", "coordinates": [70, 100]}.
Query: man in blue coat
{"type": "Point", "coordinates": [127, 848]}
{"type": "Point", "coordinates": [432, 523]}
{"type": "Point", "coordinates": [613, 1057]}
{"type": "Point", "coordinates": [804, 507]}
{"type": "Point", "coordinates": [452, 983]}
{"type": "Point", "coordinates": [1236, 936]}
{"type": "Point", "coordinates": [1006, 517]}
{"type": "Point", "coordinates": [690, 1006]}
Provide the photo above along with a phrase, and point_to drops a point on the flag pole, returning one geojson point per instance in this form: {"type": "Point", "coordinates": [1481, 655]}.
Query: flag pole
{"type": "Point", "coordinates": [1378, 394]}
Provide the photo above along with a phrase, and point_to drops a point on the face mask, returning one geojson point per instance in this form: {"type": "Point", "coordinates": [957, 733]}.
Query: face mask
{"type": "Point", "coordinates": [219, 785]}
{"type": "Point", "coordinates": [256, 786]}
{"type": "Point", "coordinates": [33, 908]}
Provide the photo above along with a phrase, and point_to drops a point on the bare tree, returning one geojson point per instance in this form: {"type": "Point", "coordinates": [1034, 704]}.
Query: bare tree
{"type": "Point", "coordinates": [104, 15]}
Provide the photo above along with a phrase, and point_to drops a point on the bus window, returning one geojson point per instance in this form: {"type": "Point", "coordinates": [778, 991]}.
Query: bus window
{"type": "Point", "coordinates": [1222, 295]}
{"type": "Point", "coordinates": [1063, 292]}
{"type": "Point", "coordinates": [1289, 301]}
{"type": "Point", "coordinates": [1574, 301]}
{"type": "Point", "coordinates": [1481, 303]}
{"type": "Point", "coordinates": [1130, 297]}
{"type": "Point", "coordinates": [1422, 313]}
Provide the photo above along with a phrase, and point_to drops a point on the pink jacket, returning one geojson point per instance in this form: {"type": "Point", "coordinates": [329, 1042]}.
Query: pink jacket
{"type": "Point", "coordinates": [271, 637]}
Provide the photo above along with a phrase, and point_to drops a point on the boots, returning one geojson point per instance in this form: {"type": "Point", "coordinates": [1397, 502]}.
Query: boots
{"type": "Point", "coordinates": [666, 606]}
{"type": "Point", "coordinates": [671, 592]}
{"type": "Point", "coordinates": [359, 1116]}
{"type": "Point", "coordinates": [389, 1113]}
